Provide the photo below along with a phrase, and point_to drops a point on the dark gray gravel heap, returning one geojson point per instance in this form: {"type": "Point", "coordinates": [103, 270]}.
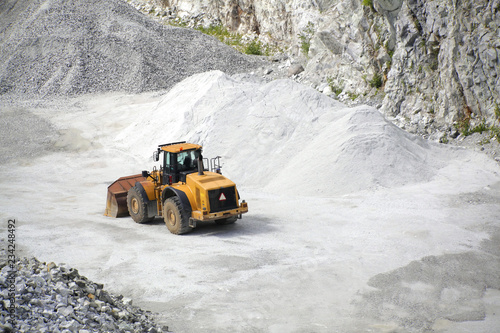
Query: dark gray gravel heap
{"type": "Point", "coordinates": [84, 46]}
{"type": "Point", "coordinates": [51, 298]}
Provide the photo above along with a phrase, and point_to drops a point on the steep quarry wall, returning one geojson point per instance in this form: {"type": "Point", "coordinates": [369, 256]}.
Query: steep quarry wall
{"type": "Point", "coordinates": [426, 63]}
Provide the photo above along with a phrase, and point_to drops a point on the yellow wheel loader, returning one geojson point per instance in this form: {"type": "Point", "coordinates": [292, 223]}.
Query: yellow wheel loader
{"type": "Point", "coordinates": [181, 190]}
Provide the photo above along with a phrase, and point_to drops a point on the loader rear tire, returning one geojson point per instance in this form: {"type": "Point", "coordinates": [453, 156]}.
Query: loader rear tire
{"type": "Point", "coordinates": [176, 218]}
{"type": "Point", "coordinates": [137, 208]}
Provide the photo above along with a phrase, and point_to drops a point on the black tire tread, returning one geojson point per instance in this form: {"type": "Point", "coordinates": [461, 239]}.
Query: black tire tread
{"type": "Point", "coordinates": [142, 216]}
{"type": "Point", "coordinates": [184, 217]}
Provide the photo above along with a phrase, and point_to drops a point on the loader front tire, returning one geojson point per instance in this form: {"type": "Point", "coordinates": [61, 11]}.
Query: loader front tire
{"type": "Point", "coordinates": [137, 208]}
{"type": "Point", "coordinates": [176, 219]}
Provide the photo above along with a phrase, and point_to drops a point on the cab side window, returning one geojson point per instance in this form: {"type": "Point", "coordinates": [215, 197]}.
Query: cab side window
{"type": "Point", "coordinates": [167, 160]}
{"type": "Point", "coordinates": [169, 167]}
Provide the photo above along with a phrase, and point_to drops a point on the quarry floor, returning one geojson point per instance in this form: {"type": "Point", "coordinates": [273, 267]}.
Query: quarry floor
{"type": "Point", "coordinates": [355, 243]}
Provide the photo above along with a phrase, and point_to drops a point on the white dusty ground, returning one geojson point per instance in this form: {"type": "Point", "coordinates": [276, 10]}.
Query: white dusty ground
{"type": "Point", "coordinates": [354, 225]}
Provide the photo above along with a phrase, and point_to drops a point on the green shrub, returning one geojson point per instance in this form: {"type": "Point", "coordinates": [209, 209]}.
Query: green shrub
{"type": "Point", "coordinates": [352, 95]}
{"type": "Point", "coordinates": [376, 81]}
{"type": "Point", "coordinates": [390, 52]}
{"type": "Point", "coordinates": [254, 47]}
{"type": "Point", "coordinates": [463, 126]}
{"type": "Point", "coordinates": [235, 41]}
{"type": "Point", "coordinates": [495, 133]}
{"type": "Point", "coordinates": [305, 44]}
{"type": "Point", "coordinates": [177, 23]}
{"type": "Point", "coordinates": [305, 38]}
{"type": "Point", "coordinates": [334, 88]}
{"type": "Point", "coordinates": [218, 31]}
{"type": "Point", "coordinates": [480, 128]}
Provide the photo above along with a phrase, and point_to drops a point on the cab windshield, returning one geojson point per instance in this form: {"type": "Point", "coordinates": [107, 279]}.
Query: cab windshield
{"type": "Point", "coordinates": [187, 160]}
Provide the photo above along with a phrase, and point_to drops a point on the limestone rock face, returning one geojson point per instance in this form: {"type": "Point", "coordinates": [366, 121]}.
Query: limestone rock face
{"type": "Point", "coordinates": [445, 61]}
{"type": "Point", "coordinates": [429, 63]}
{"type": "Point", "coordinates": [281, 19]}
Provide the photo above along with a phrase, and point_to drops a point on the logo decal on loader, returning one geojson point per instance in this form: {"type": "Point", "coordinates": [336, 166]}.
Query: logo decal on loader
{"type": "Point", "coordinates": [222, 197]}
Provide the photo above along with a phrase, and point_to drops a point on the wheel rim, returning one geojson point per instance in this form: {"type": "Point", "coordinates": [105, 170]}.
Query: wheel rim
{"type": "Point", "coordinates": [171, 218]}
{"type": "Point", "coordinates": [135, 205]}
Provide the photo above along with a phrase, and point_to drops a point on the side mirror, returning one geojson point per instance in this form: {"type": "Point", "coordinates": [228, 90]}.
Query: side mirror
{"type": "Point", "coordinates": [156, 156]}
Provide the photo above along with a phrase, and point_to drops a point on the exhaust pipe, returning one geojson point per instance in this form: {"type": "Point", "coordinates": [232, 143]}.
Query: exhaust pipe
{"type": "Point", "coordinates": [200, 165]}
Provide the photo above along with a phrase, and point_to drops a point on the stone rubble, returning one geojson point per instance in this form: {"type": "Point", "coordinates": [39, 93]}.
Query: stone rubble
{"type": "Point", "coordinates": [57, 299]}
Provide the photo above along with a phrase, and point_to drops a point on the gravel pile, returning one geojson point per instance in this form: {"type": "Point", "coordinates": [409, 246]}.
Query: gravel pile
{"type": "Point", "coordinates": [85, 46]}
{"type": "Point", "coordinates": [51, 298]}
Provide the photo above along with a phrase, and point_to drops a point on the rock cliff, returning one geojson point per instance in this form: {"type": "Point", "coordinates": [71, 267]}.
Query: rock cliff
{"type": "Point", "coordinates": [427, 64]}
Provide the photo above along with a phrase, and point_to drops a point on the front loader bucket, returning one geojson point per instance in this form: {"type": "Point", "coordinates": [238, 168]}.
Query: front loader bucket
{"type": "Point", "coordinates": [116, 202]}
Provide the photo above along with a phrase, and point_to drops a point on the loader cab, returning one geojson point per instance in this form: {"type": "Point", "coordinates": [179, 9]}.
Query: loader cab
{"type": "Point", "coordinates": [179, 160]}
{"type": "Point", "coordinates": [179, 165]}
